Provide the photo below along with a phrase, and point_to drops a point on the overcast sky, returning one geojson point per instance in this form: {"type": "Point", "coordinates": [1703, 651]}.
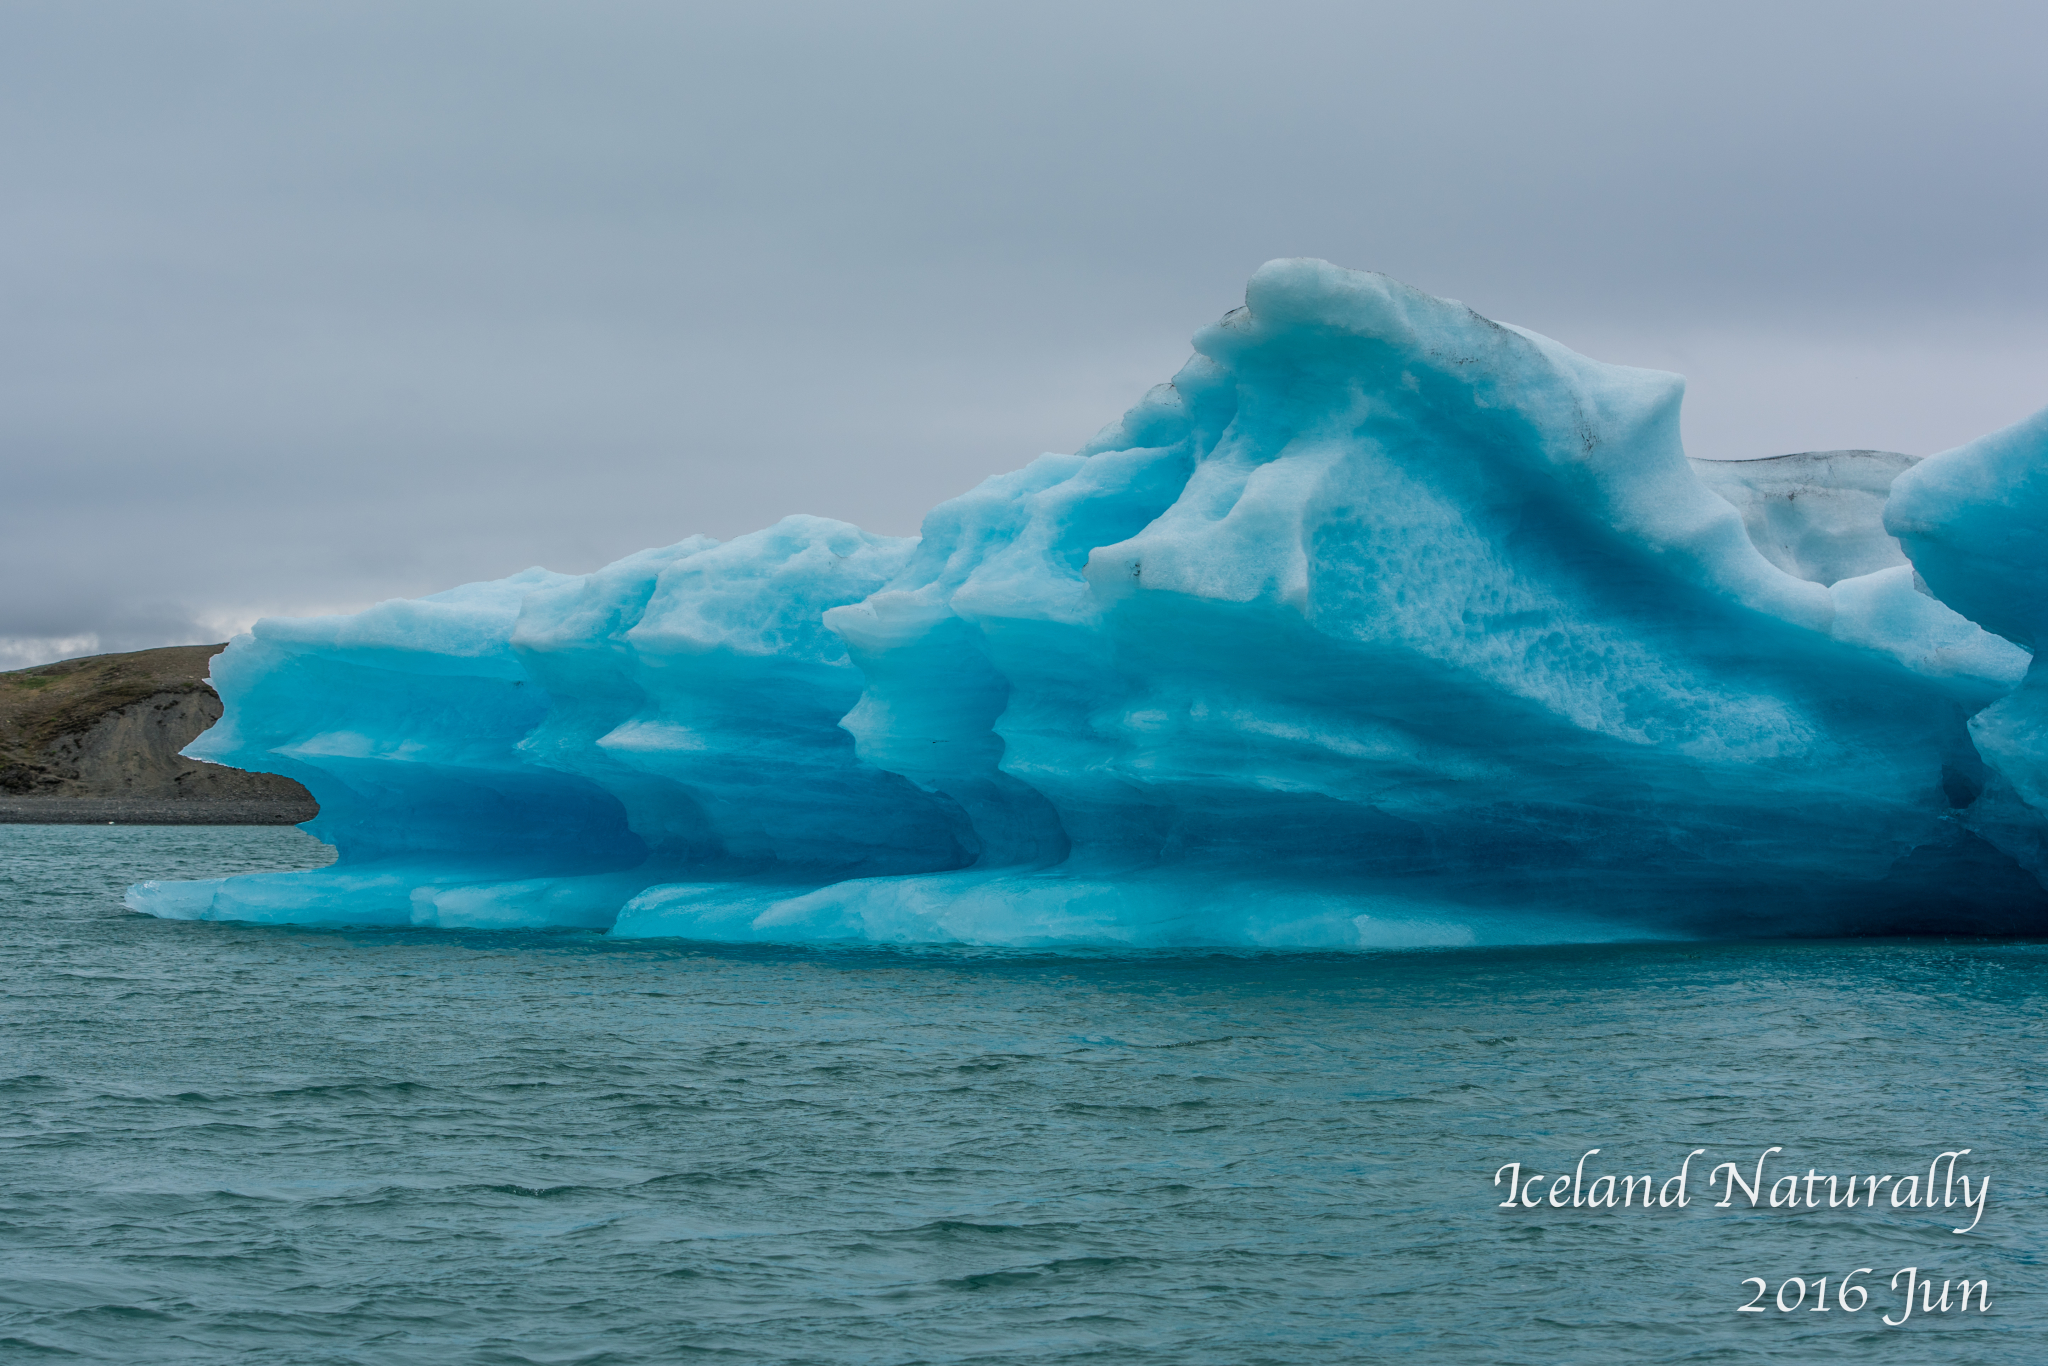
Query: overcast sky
{"type": "Point", "coordinates": [313, 304]}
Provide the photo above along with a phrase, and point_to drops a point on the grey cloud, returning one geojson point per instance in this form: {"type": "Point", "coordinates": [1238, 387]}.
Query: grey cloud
{"type": "Point", "coordinates": [311, 305]}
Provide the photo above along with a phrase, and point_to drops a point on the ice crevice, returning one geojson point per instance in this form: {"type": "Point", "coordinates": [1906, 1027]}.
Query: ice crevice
{"type": "Point", "coordinates": [1381, 625]}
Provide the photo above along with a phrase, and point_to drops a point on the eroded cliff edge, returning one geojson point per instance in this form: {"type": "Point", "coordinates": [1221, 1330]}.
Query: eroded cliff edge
{"type": "Point", "coordinates": [95, 740]}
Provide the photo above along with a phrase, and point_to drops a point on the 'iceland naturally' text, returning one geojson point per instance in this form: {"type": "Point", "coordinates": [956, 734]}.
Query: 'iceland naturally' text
{"type": "Point", "coordinates": [1944, 1187]}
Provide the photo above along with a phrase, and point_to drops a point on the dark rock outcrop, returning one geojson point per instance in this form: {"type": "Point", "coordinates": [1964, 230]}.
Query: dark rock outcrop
{"type": "Point", "coordinates": [96, 740]}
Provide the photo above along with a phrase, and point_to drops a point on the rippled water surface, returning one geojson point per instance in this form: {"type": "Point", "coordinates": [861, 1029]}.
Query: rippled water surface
{"type": "Point", "coordinates": [240, 1144]}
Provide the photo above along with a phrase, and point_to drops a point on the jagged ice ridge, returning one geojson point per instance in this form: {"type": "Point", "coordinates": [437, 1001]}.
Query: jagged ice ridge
{"type": "Point", "coordinates": [1383, 624]}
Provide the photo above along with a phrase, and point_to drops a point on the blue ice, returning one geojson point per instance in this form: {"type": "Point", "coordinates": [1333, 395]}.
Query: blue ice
{"type": "Point", "coordinates": [1382, 624]}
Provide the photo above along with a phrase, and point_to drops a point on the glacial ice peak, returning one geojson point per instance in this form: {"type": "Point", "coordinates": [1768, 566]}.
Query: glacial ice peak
{"type": "Point", "coordinates": [1380, 624]}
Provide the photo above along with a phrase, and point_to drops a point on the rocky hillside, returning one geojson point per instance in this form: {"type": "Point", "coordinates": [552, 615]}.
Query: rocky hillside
{"type": "Point", "coordinates": [97, 740]}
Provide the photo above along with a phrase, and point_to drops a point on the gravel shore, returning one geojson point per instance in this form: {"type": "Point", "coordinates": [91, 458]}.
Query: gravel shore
{"type": "Point", "coordinates": [144, 811]}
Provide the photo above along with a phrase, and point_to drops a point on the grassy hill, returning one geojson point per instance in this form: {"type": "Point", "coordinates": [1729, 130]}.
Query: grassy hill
{"type": "Point", "coordinates": [97, 739]}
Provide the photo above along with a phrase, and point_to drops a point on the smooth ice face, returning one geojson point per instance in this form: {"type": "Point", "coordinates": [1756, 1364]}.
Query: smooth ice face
{"type": "Point", "coordinates": [1382, 625]}
{"type": "Point", "coordinates": [1975, 520]}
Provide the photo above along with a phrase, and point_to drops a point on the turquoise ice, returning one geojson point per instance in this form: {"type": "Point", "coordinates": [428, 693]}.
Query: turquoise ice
{"type": "Point", "coordinates": [1382, 624]}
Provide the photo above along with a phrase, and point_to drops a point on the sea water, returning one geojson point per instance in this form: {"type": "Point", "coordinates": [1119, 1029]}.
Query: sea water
{"type": "Point", "coordinates": [224, 1142]}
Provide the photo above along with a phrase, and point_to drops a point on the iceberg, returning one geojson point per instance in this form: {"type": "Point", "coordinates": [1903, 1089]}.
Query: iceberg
{"type": "Point", "coordinates": [1381, 625]}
